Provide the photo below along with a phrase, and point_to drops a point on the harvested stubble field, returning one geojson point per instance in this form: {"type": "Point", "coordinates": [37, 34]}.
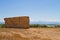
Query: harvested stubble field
{"type": "Point", "coordinates": [30, 34]}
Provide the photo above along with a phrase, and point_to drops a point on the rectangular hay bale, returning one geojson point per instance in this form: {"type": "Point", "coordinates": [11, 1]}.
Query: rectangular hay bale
{"type": "Point", "coordinates": [17, 22]}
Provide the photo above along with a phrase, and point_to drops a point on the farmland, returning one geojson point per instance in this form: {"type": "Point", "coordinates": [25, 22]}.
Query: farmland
{"type": "Point", "coordinates": [30, 34]}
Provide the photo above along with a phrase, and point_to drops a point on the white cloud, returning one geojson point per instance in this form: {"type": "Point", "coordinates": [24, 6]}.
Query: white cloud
{"type": "Point", "coordinates": [46, 20]}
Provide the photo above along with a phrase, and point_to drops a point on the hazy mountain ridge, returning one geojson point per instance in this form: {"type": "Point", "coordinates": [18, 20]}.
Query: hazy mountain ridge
{"type": "Point", "coordinates": [39, 22]}
{"type": "Point", "coordinates": [1, 22]}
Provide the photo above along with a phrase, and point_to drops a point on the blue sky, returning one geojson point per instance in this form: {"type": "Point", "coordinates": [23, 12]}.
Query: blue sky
{"type": "Point", "coordinates": [37, 10]}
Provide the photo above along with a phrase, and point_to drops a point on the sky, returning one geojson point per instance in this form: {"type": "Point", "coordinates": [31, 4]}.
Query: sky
{"type": "Point", "coordinates": [37, 10]}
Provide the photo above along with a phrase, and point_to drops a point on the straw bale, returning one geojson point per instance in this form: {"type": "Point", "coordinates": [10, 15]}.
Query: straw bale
{"type": "Point", "coordinates": [17, 22]}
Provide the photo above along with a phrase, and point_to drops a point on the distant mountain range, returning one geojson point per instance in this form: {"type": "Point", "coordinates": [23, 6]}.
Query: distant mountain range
{"type": "Point", "coordinates": [39, 22]}
{"type": "Point", "coordinates": [1, 22]}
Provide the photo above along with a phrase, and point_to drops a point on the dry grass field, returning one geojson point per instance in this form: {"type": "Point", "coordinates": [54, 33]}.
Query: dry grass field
{"type": "Point", "coordinates": [30, 34]}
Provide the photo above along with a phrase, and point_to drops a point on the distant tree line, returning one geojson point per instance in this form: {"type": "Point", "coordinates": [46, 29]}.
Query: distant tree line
{"type": "Point", "coordinates": [44, 26]}
{"type": "Point", "coordinates": [2, 25]}
{"type": "Point", "coordinates": [38, 26]}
